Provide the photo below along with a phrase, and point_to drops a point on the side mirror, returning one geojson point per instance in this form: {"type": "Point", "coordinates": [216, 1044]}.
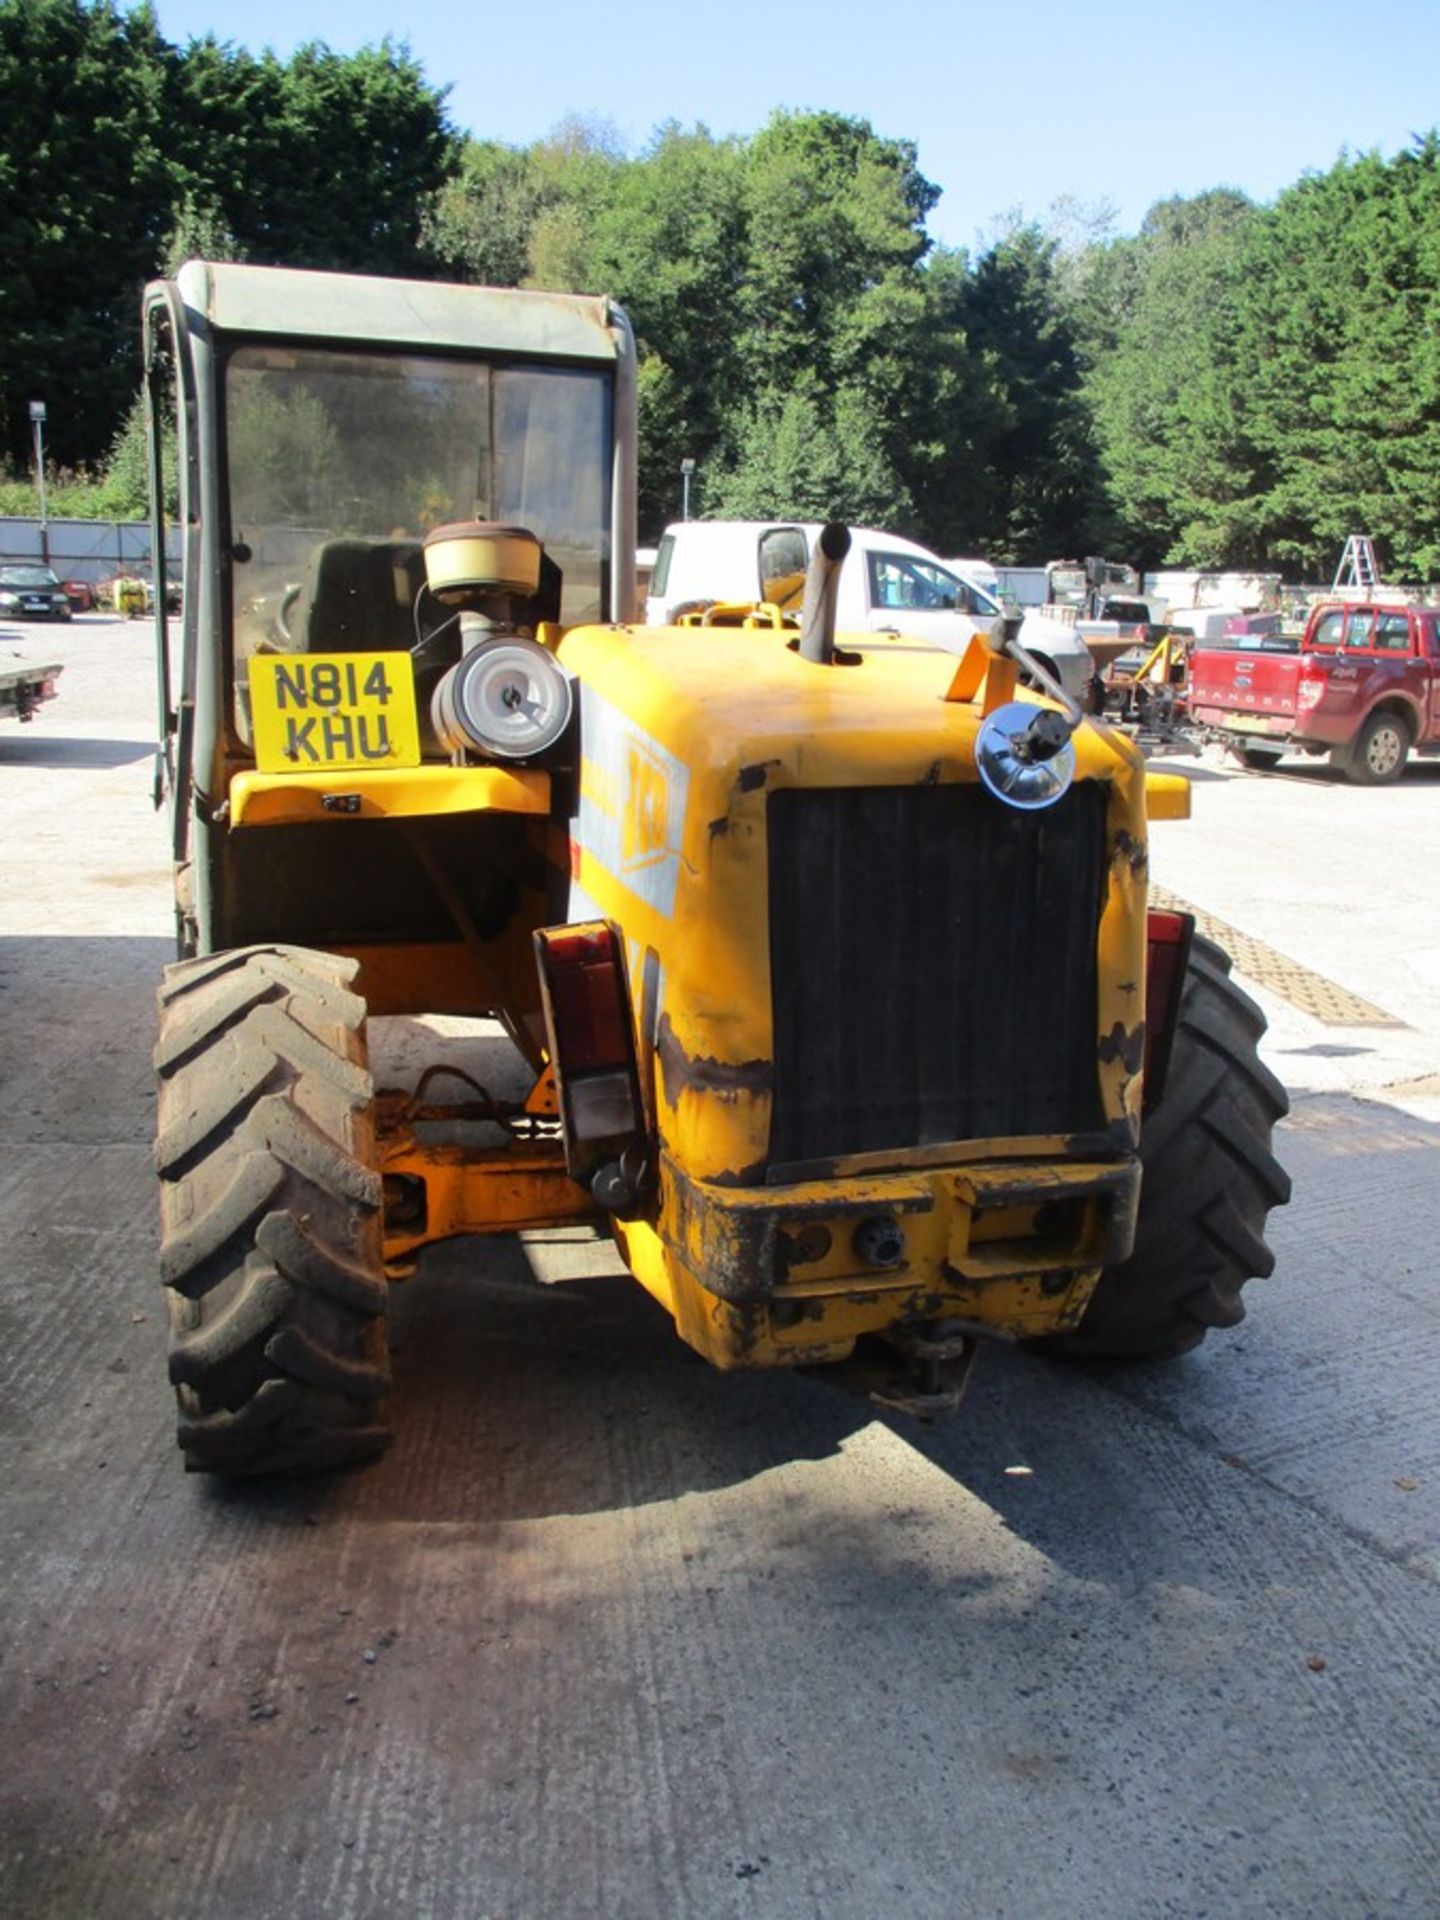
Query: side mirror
{"type": "Point", "coordinates": [784, 561]}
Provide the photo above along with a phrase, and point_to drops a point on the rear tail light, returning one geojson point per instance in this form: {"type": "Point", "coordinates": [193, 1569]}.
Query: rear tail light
{"type": "Point", "coordinates": [1308, 693]}
{"type": "Point", "coordinates": [591, 1036]}
{"type": "Point", "coordinates": [1168, 937]}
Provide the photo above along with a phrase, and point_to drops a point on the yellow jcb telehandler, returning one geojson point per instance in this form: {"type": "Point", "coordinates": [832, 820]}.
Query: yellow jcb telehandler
{"type": "Point", "coordinates": [828, 961]}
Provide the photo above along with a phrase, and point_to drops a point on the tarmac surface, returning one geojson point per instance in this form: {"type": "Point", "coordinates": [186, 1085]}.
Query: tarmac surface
{"type": "Point", "coordinates": [607, 1633]}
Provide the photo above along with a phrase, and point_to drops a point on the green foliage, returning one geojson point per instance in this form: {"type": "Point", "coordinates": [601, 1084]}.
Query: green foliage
{"type": "Point", "coordinates": [1266, 381]}
{"type": "Point", "coordinates": [85, 198]}
{"type": "Point", "coordinates": [71, 493]}
{"type": "Point", "coordinates": [797, 457]}
{"type": "Point", "coordinates": [1158, 319]}
{"type": "Point", "coordinates": [287, 449]}
{"type": "Point", "coordinates": [1232, 385]}
{"type": "Point", "coordinates": [119, 153]}
{"type": "Point", "coordinates": [1034, 487]}
{"type": "Point", "coordinates": [1338, 350]}
{"type": "Point", "coordinates": [477, 226]}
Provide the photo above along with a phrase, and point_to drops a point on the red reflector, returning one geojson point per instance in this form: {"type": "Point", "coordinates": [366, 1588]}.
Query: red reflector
{"type": "Point", "coordinates": [588, 1028]}
{"type": "Point", "coordinates": [572, 949]}
{"type": "Point", "coordinates": [588, 1009]}
{"type": "Point", "coordinates": [1167, 929]}
{"type": "Point", "coordinates": [1168, 938]}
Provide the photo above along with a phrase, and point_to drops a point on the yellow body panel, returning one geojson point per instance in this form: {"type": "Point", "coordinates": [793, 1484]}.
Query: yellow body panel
{"type": "Point", "coordinates": [1006, 1236]}
{"type": "Point", "coordinates": [290, 799]}
{"type": "Point", "coordinates": [770, 1277]}
{"type": "Point", "coordinates": [671, 842]}
{"type": "Point", "coordinates": [1167, 796]}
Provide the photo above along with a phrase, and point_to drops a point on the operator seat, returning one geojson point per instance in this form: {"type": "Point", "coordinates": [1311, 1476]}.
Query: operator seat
{"type": "Point", "coordinates": [357, 597]}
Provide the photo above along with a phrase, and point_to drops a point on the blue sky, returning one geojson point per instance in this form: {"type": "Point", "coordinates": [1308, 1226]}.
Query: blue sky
{"type": "Point", "coordinates": [1011, 107]}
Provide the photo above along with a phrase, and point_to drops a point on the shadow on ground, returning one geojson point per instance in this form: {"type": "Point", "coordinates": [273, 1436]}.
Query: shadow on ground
{"type": "Point", "coordinates": [35, 748]}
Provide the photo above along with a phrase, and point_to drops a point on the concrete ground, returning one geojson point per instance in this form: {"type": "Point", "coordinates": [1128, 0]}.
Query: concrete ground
{"type": "Point", "coordinates": [609, 1634]}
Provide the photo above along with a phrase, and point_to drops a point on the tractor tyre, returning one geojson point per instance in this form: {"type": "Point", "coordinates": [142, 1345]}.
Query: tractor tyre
{"type": "Point", "coordinates": [270, 1212]}
{"type": "Point", "coordinates": [1209, 1180]}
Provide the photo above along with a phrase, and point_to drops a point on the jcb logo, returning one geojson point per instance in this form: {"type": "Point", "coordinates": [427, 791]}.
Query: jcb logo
{"type": "Point", "coordinates": [645, 829]}
{"type": "Point", "coordinates": [633, 796]}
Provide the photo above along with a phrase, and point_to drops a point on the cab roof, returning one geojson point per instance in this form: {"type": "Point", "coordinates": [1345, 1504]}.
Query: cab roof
{"type": "Point", "coordinates": [417, 313]}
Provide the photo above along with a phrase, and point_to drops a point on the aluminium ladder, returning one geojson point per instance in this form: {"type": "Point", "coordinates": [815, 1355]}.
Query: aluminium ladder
{"type": "Point", "coordinates": [1358, 568]}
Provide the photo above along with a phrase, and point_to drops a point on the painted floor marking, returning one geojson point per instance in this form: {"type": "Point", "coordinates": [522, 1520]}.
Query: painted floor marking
{"type": "Point", "coordinates": [1311, 992]}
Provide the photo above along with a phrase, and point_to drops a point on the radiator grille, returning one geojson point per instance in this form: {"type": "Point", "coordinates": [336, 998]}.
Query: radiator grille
{"type": "Point", "coordinates": [933, 967]}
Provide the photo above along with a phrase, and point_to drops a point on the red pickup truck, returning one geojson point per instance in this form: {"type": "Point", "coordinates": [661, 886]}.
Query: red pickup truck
{"type": "Point", "coordinates": [1362, 686]}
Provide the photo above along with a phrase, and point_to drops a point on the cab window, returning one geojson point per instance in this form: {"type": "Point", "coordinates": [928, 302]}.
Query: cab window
{"type": "Point", "coordinates": [1392, 632]}
{"type": "Point", "coordinates": [900, 583]}
{"type": "Point", "coordinates": [1330, 629]}
{"type": "Point", "coordinates": [660, 573]}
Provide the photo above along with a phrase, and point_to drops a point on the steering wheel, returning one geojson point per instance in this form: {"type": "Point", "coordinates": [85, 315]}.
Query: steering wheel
{"type": "Point", "coordinates": [286, 608]}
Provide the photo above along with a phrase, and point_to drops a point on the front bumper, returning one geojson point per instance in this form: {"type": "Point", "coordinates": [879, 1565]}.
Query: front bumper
{"type": "Point", "coordinates": [36, 610]}
{"type": "Point", "coordinates": [777, 1276]}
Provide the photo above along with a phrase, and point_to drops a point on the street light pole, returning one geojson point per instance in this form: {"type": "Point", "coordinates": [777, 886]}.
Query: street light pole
{"type": "Point", "coordinates": [37, 426]}
{"type": "Point", "coordinates": [687, 467]}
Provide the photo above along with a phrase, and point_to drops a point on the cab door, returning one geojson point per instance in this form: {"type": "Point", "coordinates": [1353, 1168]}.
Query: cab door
{"type": "Point", "coordinates": [1428, 630]}
{"type": "Point", "coordinates": [907, 595]}
{"type": "Point", "coordinates": [784, 556]}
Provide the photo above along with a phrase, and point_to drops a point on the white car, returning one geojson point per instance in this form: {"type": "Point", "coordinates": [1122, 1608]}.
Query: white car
{"type": "Point", "coordinates": [887, 585]}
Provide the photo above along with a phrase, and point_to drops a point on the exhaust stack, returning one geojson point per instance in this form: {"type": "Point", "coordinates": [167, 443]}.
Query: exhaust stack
{"type": "Point", "coordinates": [822, 583]}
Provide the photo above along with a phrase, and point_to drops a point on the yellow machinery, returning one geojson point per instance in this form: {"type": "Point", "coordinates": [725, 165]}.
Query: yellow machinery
{"type": "Point", "coordinates": [1150, 692]}
{"type": "Point", "coordinates": [828, 962]}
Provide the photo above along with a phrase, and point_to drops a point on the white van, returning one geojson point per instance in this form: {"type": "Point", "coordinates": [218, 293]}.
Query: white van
{"type": "Point", "coordinates": [979, 573]}
{"type": "Point", "coordinates": [887, 585]}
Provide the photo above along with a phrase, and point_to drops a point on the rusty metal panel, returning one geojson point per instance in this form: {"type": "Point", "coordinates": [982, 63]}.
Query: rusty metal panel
{"type": "Point", "coordinates": [933, 967]}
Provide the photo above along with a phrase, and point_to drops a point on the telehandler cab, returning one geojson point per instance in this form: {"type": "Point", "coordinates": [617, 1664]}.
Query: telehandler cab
{"type": "Point", "coordinates": [829, 964]}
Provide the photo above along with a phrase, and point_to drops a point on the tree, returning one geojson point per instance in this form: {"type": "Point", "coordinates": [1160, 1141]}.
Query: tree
{"type": "Point", "coordinates": [85, 197]}
{"type": "Point", "coordinates": [1157, 320]}
{"type": "Point", "coordinates": [797, 456]}
{"type": "Point", "coordinates": [118, 149]}
{"type": "Point", "coordinates": [666, 237]}
{"type": "Point", "coordinates": [478, 225]}
{"type": "Point", "coordinates": [1342, 367]}
{"type": "Point", "coordinates": [325, 161]}
{"type": "Point", "coordinates": [832, 211]}
{"type": "Point", "coordinates": [1035, 451]}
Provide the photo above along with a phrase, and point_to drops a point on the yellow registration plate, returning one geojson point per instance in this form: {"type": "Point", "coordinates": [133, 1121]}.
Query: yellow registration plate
{"type": "Point", "coordinates": [1252, 722]}
{"type": "Point", "coordinates": [316, 711]}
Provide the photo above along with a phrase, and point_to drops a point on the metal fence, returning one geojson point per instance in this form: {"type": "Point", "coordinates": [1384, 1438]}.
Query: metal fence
{"type": "Point", "coordinates": [83, 549]}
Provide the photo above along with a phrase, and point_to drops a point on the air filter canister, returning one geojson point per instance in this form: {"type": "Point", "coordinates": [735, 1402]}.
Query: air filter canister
{"type": "Point", "coordinates": [477, 555]}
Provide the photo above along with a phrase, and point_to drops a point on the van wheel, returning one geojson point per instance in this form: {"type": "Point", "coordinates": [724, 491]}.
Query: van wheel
{"type": "Point", "coordinates": [270, 1213]}
{"type": "Point", "coordinates": [1381, 749]}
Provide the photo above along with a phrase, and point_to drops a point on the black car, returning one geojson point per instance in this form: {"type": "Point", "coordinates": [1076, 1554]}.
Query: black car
{"type": "Point", "coordinates": [32, 593]}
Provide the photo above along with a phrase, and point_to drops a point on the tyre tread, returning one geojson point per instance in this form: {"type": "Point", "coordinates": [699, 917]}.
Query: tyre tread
{"type": "Point", "coordinates": [1210, 1179]}
{"type": "Point", "coordinates": [271, 1213]}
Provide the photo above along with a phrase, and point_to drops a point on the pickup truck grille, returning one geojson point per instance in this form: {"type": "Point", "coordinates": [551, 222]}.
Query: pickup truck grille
{"type": "Point", "coordinates": [933, 967]}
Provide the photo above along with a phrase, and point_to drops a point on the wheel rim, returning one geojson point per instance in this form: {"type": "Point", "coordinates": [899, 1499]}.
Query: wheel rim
{"type": "Point", "coordinates": [1384, 752]}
